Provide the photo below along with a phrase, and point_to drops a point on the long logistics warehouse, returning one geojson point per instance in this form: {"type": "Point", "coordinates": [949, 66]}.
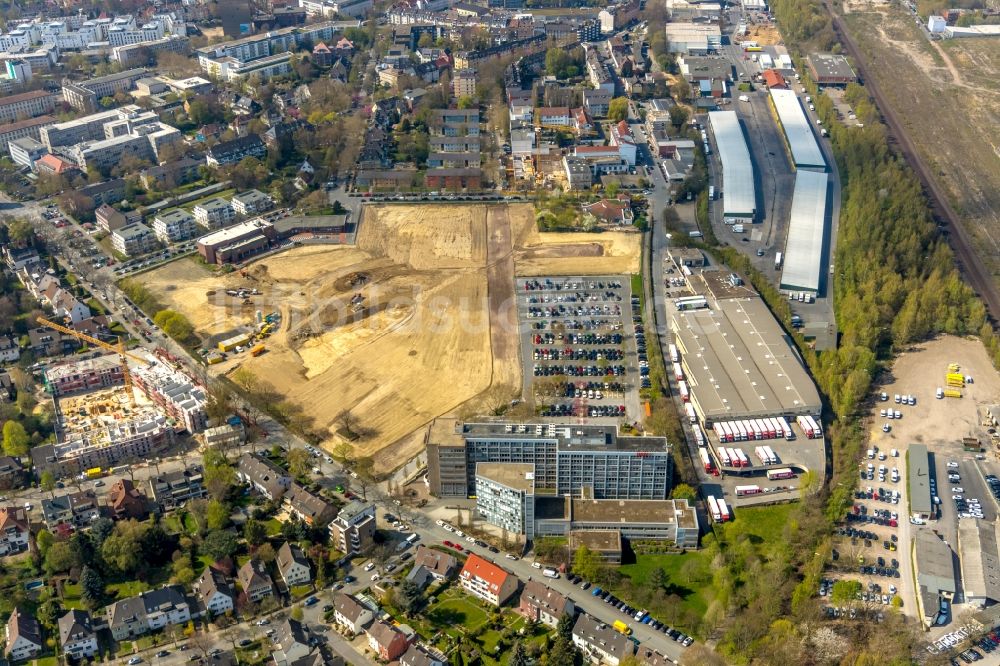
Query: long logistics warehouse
{"type": "Point", "coordinates": [738, 361]}
{"type": "Point", "coordinates": [739, 201]}
{"type": "Point", "coordinates": [803, 268]}
{"type": "Point", "coordinates": [799, 134]}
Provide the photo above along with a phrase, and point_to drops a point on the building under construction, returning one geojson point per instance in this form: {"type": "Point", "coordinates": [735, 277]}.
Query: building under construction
{"type": "Point", "coordinates": [98, 424]}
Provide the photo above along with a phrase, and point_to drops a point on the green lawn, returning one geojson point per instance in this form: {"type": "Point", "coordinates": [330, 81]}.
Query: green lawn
{"type": "Point", "coordinates": [456, 614]}
{"type": "Point", "coordinates": [273, 527]}
{"type": "Point", "coordinates": [71, 596]}
{"type": "Point", "coordinates": [127, 589]}
{"type": "Point", "coordinates": [47, 661]}
{"type": "Point", "coordinates": [190, 523]}
{"type": "Point", "coordinates": [696, 599]}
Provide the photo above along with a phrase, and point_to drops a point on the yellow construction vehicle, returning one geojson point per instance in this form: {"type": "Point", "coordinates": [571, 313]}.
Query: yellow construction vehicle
{"type": "Point", "coordinates": [119, 349]}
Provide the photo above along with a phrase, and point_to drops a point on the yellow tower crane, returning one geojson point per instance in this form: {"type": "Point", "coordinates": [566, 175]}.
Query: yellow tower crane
{"type": "Point", "coordinates": [119, 349]}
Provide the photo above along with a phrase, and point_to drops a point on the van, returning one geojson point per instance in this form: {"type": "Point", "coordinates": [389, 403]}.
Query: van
{"type": "Point", "coordinates": [550, 573]}
{"type": "Point", "coordinates": [744, 98]}
{"type": "Point", "coordinates": [695, 234]}
{"type": "Point", "coordinates": [737, 228]}
{"type": "Point", "coordinates": [871, 454]}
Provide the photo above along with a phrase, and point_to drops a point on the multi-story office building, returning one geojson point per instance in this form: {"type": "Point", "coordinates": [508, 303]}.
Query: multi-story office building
{"type": "Point", "coordinates": [26, 151]}
{"type": "Point", "coordinates": [26, 105]}
{"type": "Point", "coordinates": [23, 129]}
{"type": "Point", "coordinates": [132, 55]}
{"type": "Point", "coordinates": [214, 213]}
{"type": "Point", "coordinates": [85, 95]}
{"type": "Point", "coordinates": [174, 225]}
{"type": "Point", "coordinates": [143, 142]}
{"type": "Point", "coordinates": [566, 458]}
{"type": "Point", "coordinates": [133, 239]}
{"type": "Point", "coordinates": [464, 83]}
{"type": "Point", "coordinates": [505, 496]}
{"type": "Point", "coordinates": [331, 8]}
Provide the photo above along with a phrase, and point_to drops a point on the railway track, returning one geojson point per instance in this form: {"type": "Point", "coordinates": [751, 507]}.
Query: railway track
{"type": "Point", "coordinates": [969, 263]}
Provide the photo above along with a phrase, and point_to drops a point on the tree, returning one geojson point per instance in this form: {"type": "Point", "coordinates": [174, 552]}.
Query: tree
{"type": "Point", "coordinates": [174, 324]}
{"type": "Point", "coordinates": [586, 563]}
{"type": "Point", "coordinates": [618, 109]}
{"type": "Point", "coordinates": [684, 491]}
{"type": "Point", "coordinates": [15, 439]}
{"type": "Point", "coordinates": [219, 475]}
{"type": "Point", "coordinates": [59, 558]}
{"type": "Point", "coordinates": [299, 462]}
{"type": "Point", "coordinates": [409, 597]}
{"type": "Point", "coordinates": [265, 553]}
{"type": "Point", "coordinates": [44, 541]}
{"type": "Point", "coordinates": [254, 532]}
{"type": "Point", "coordinates": [91, 587]}
{"type": "Point", "coordinates": [518, 656]}
{"type": "Point", "coordinates": [48, 613]}
{"type": "Point", "coordinates": [47, 481]}
{"type": "Point", "coordinates": [845, 591]}
{"type": "Point", "coordinates": [217, 515]}
{"type": "Point", "coordinates": [678, 116]}
{"type": "Point", "coordinates": [465, 102]}
{"type": "Point", "coordinates": [220, 544]}
{"type": "Point", "coordinates": [611, 189]}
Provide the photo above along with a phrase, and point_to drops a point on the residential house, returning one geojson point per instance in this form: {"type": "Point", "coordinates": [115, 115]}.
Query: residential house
{"type": "Point", "coordinates": [24, 636]}
{"type": "Point", "coordinates": [214, 213]}
{"type": "Point", "coordinates": [14, 530]}
{"type": "Point", "coordinates": [255, 580]}
{"type": "Point", "coordinates": [600, 643]}
{"type": "Point", "coordinates": [541, 603]}
{"type": "Point", "coordinates": [556, 116]}
{"type": "Point", "coordinates": [263, 476]}
{"type": "Point", "coordinates": [174, 225]}
{"type": "Point", "coordinates": [351, 613]}
{"type": "Point", "coordinates": [9, 350]}
{"type": "Point", "coordinates": [439, 566]}
{"type": "Point", "coordinates": [621, 136]}
{"type": "Point", "coordinates": [322, 56]}
{"type": "Point", "coordinates": [214, 592]}
{"type": "Point", "coordinates": [126, 501]}
{"type": "Point", "coordinates": [353, 530]}
{"type": "Point", "coordinates": [311, 509]}
{"type": "Point", "coordinates": [134, 239]}
{"type": "Point", "coordinates": [78, 509]}
{"type": "Point", "coordinates": [11, 469]}
{"type": "Point", "coordinates": [174, 489]}
{"type": "Point", "coordinates": [578, 173]}
{"type": "Point", "coordinates": [612, 211]}
{"type": "Point", "coordinates": [291, 642]}
{"type": "Point", "coordinates": [108, 218]}
{"type": "Point", "coordinates": [293, 565]}
{"type": "Point", "coordinates": [387, 641]}
{"type": "Point", "coordinates": [149, 611]}
{"type": "Point", "coordinates": [76, 634]}
{"type": "Point", "coordinates": [17, 258]}
{"type": "Point", "coordinates": [46, 342]}
{"type": "Point", "coordinates": [231, 152]}
{"type": "Point", "coordinates": [252, 202]}
{"type": "Point", "coordinates": [422, 655]}
{"type": "Point", "coordinates": [8, 392]}
{"type": "Point", "coordinates": [171, 174]}
{"type": "Point", "coordinates": [487, 581]}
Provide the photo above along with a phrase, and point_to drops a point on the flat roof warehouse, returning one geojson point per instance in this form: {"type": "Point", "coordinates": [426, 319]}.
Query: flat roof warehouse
{"type": "Point", "coordinates": [738, 196]}
{"type": "Point", "coordinates": [798, 132]}
{"type": "Point", "coordinates": [803, 267]}
{"type": "Point", "coordinates": [740, 363]}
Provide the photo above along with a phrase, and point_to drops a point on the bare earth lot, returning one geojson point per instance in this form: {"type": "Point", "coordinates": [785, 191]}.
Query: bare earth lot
{"type": "Point", "coordinates": [435, 327]}
{"type": "Point", "coordinates": [948, 94]}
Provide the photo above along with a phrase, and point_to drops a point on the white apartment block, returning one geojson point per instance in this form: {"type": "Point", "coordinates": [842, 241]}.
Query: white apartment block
{"type": "Point", "coordinates": [214, 213]}
{"type": "Point", "coordinates": [174, 225]}
{"type": "Point", "coordinates": [133, 239]}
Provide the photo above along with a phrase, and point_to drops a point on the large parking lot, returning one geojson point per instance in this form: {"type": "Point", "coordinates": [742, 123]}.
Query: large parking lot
{"type": "Point", "coordinates": [583, 347]}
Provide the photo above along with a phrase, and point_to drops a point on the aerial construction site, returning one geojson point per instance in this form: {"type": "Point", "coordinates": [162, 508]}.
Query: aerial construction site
{"type": "Point", "coordinates": [426, 297]}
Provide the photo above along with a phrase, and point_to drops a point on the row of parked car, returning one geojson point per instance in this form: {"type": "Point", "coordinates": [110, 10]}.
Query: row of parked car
{"type": "Point", "coordinates": [640, 615]}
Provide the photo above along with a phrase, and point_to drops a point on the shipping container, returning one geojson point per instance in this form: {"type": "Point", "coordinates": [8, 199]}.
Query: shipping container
{"type": "Point", "coordinates": [730, 435]}
{"type": "Point", "coordinates": [789, 433]}
{"type": "Point", "coordinates": [777, 261]}
{"type": "Point", "coordinates": [955, 376]}
{"type": "Point", "coordinates": [762, 429]}
{"type": "Point", "coordinates": [780, 473]}
{"type": "Point", "coordinates": [952, 393]}
{"type": "Point", "coordinates": [743, 491]}
{"type": "Point", "coordinates": [816, 427]}
{"type": "Point", "coordinates": [761, 455]}
{"type": "Point", "coordinates": [771, 457]}
{"type": "Point", "coordinates": [689, 410]}
{"type": "Point", "coordinates": [705, 459]}
{"type": "Point", "coordinates": [742, 432]}
{"type": "Point", "coordinates": [724, 457]}
{"type": "Point", "coordinates": [774, 428]}
{"type": "Point", "coordinates": [674, 356]}
{"type": "Point", "coordinates": [682, 388]}
{"type": "Point", "coordinates": [713, 509]}
{"type": "Point", "coordinates": [744, 460]}
{"type": "Point", "coordinates": [699, 436]}
{"type": "Point", "coordinates": [678, 372]}
{"type": "Point", "coordinates": [723, 509]}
